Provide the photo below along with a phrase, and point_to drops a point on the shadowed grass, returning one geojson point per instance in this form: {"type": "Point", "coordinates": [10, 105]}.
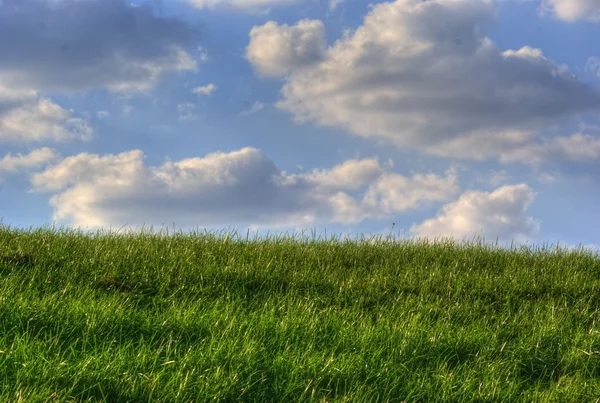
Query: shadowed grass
{"type": "Point", "coordinates": [215, 317]}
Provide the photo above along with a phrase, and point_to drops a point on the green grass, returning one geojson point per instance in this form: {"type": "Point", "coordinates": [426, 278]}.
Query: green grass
{"type": "Point", "coordinates": [206, 317]}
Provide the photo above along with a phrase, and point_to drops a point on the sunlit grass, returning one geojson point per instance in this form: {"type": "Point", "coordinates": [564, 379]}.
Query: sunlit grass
{"type": "Point", "coordinates": [204, 316]}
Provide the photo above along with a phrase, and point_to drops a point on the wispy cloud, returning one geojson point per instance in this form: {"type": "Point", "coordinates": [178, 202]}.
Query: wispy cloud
{"type": "Point", "coordinates": [334, 3]}
{"type": "Point", "coordinates": [13, 164]}
{"type": "Point", "coordinates": [103, 114]}
{"type": "Point", "coordinates": [256, 107]}
{"type": "Point", "coordinates": [187, 111]}
{"type": "Point", "coordinates": [205, 90]}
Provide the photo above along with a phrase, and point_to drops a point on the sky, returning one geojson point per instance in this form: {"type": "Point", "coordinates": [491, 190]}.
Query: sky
{"type": "Point", "coordinates": [434, 118]}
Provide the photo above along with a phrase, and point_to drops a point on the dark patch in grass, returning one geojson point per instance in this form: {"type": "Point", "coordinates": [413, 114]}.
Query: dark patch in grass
{"type": "Point", "coordinates": [249, 287]}
{"type": "Point", "coordinates": [543, 363]}
{"type": "Point", "coordinates": [140, 292]}
{"type": "Point", "coordinates": [130, 284]}
{"type": "Point", "coordinates": [17, 258]}
{"type": "Point", "coordinates": [94, 387]}
{"type": "Point", "coordinates": [454, 354]}
{"type": "Point", "coordinates": [43, 328]}
{"type": "Point", "coordinates": [314, 288]}
{"type": "Point", "coordinates": [253, 286]}
{"type": "Point", "coordinates": [113, 283]}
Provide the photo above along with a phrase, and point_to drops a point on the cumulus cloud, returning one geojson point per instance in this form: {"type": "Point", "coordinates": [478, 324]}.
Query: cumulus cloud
{"type": "Point", "coordinates": [10, 164]}
{"type": "Point", "coordinates": [27, 117]}
{"type": "Point", "coordinates": [501, 214]}
{"type": "Point", "coordinates": [205, 90]}
{"type": "Point", "coordinates": [244, 5]}
{"type": "Point", "coordinates": [275, 50]}
{"type": "Point", "coordinates": [422, 75]}
{"type": "Point", "coordinates": [242, 187]}
{"type": "Point", "coordinates": [573, 10]}
{"type": "Point", "coordinates": [74, 45]}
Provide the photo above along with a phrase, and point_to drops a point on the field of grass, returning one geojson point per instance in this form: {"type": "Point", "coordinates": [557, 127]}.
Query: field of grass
{"type": "Point", "coordinates": [213, 317]}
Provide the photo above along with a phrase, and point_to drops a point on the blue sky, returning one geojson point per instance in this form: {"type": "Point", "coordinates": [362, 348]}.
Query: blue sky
{"type": "Point", "coordinates": [445, 117]}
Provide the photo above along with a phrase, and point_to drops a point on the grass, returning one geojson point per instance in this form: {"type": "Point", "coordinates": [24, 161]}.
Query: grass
{"type": "Point", "coordinates": [205, 317]}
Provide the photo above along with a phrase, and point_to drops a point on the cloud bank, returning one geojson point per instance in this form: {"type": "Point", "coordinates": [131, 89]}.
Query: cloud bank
{"type": "Point", "coordinates": [76, 45]}
{"type": "Point", "coordinates": [66, 46]}
{"type": "Point", "coordinates": [422, 75]}
{"type": "Point", "coordinates": [242, 187]}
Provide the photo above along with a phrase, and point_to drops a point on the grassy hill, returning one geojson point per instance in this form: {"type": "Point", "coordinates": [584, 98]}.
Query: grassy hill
{"type": "Point", "coordinates": [207, 317]}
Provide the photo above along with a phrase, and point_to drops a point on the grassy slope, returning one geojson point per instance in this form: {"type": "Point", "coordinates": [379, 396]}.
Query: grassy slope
{"type": "Point", "coordinates": [196, 318]}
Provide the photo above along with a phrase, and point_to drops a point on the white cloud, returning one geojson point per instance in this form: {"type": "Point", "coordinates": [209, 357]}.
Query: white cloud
{"type": "Point", "coordinates": [244, 5]}
{"type": "Point", "coordinates": [26, 117]}
{"type": "Point", "coordinates": [350, 175]}
{"type": "Point", "coordinates": [275, 50]}
{"type": "Point", "coordinates": [103, 114]}
{"type": "Point", "coordinates": [205, 90]}
{"type": "Point", "coordinates": [422, 75]}
{"type": "Point", "coordinates": [10, 164]}
{"type": "Point", "coordinates": [573, 10]}
{"type": "Point", "coordinates": [256, 107]}
{"type": "Point", "coordinates": [242, 187]}
{"type": "Point", "coordinates": [500, 214]}
{"type": "Point", "coordinates": [396, 193]}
